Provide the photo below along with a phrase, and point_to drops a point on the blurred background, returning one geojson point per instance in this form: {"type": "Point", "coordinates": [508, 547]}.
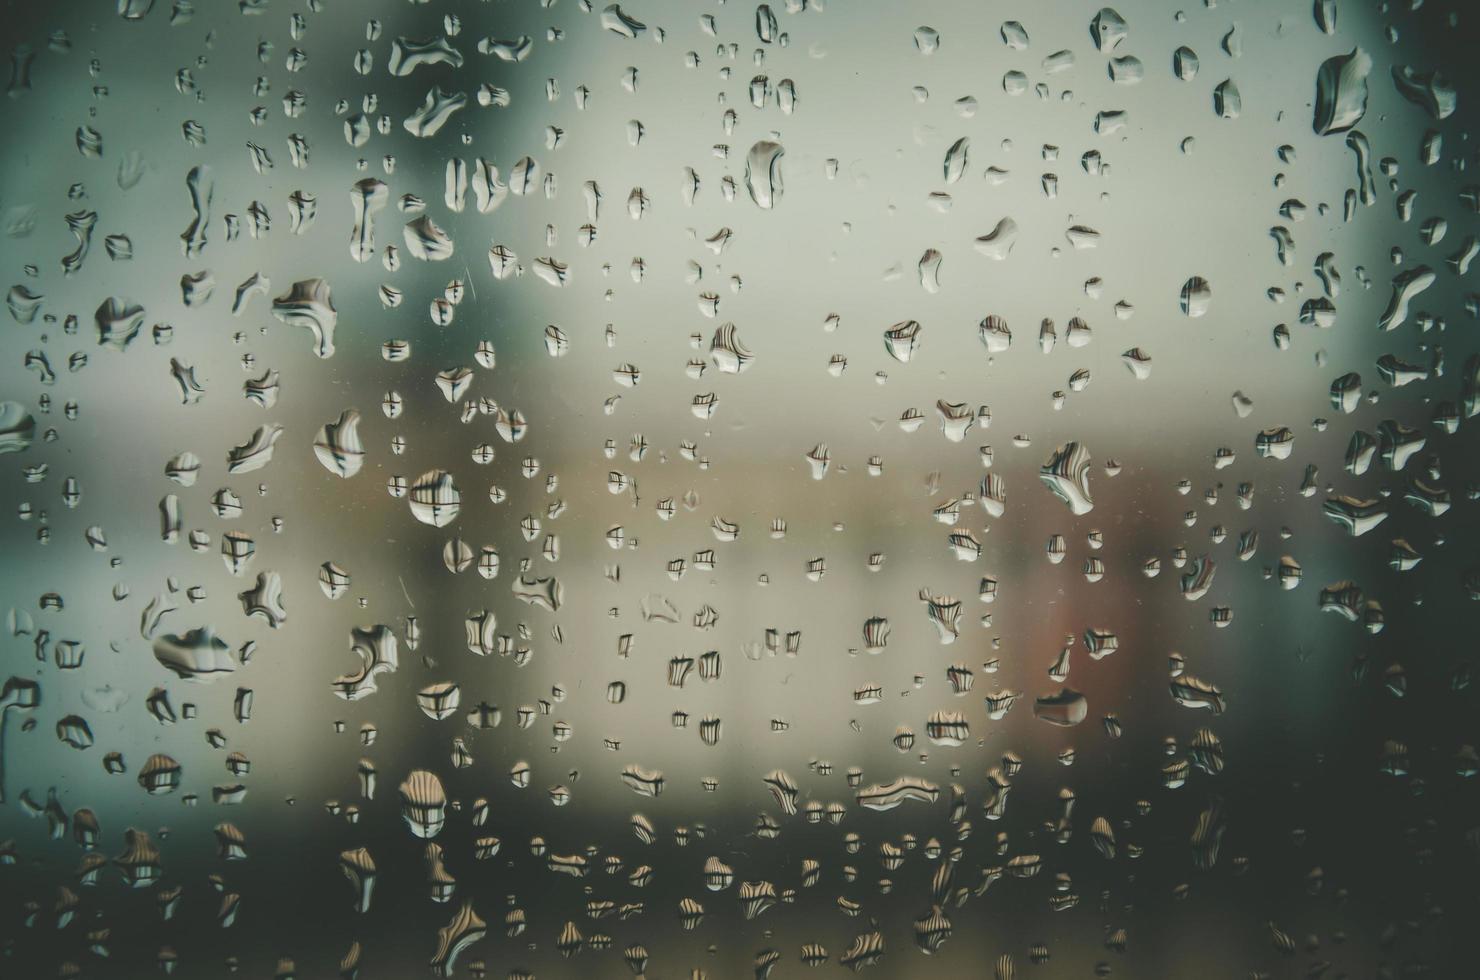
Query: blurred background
{"type": "Point", "coordinates": [1341, 794]}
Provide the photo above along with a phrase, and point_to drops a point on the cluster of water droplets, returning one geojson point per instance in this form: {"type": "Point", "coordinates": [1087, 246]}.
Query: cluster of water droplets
{"type": "Point", "coordinates": [611, 575]}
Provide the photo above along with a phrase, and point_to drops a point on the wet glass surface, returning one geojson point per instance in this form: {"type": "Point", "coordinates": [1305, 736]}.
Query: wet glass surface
{"type": "Point", "coordinates": [712, 489]}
